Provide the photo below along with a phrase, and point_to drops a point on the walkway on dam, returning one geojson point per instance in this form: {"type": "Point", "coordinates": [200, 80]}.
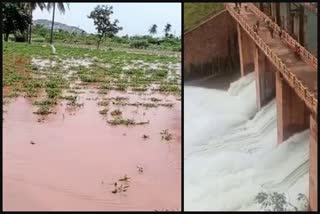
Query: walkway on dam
{"type": "Point", "coordinates": [304, 68]}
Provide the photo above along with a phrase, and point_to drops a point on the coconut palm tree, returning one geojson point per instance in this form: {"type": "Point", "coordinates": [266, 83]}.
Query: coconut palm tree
{"type": "Point", "coordinates": [61, 8]}
{"type": "Point", "coordinates": [167, 29]}
{"type": "Point", "coordinates": [32, 7]}
{"type": "Point", "coordinates": [153, 29]}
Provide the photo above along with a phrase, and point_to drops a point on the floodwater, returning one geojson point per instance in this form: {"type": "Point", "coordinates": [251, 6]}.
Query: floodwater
{"type": "Point", "coordinates": [231, 152]}
{"type": "Point", "coordinates": [77, 156]}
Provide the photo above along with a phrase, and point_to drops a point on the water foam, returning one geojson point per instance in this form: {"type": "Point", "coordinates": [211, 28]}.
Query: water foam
{"type": "Point", "coordinates": [231, 150]}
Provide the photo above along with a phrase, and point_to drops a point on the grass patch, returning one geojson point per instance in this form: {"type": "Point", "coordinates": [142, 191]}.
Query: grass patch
{"type": "Point", "coordinates": [169, 88]}
{"type": "Point", "coordinates": [195, 13]}
{"type": "Point", "coordinates": [46, 102]}
{"type": "Point", "coordinates": [69, 97]}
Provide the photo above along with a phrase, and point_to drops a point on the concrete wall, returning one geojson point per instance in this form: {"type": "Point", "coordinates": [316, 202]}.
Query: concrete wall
{"type": "Point", "coordinates": [210, 48]}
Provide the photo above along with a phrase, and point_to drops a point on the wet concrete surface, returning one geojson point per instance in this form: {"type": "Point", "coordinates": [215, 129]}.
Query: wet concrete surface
{"type": "Point", "coordinates": [76, 156]}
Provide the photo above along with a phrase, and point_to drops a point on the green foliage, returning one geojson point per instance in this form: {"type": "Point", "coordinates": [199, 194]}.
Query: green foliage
{"type": "Point", "coordinates": [38, 39]}
{"type": "Point", "coordinates": [101, 17]}
{"type": "Point", "coordinates": [15, 19]}
{"type": "Point", "coordinates": [278, 202]}
{"type": "Point", "coordinates": [140, 44]}
{"type": "Point", "coordinates": [11, 78]}
{"type": "Point", "coordinates": [40, 30]}
{"type": "Point", "coordinates": [41, 34]}
{"type": "Point", "coordinates": [168, 88]}
{"type": "Point", "coordinates": [194, 13]}
{"type": "Point", "coordinates": [52, 92]}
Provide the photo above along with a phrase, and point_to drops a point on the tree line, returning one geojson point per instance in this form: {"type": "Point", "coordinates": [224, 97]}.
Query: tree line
{"type": "Point", "coordinates": [17, 20]}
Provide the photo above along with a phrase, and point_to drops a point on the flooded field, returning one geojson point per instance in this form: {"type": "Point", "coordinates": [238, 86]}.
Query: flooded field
{"type": "Point", "coordinates": [90, 130]}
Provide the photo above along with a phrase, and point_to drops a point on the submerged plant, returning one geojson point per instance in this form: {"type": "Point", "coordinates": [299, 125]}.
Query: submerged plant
{"type": "Point", "coordinates": [165, 135]}
{"type": "Point", "coordinates": [116, 112]}
{"type": "Point", "coordinates": [43, 110]}
{"type": "Point", "coordinates": [104, 111]}
{"type": "Point", "coordinates": [103, 103]}
{"type": "Point", "coordinates": [126, 122]}
{"type": "Point", "coordinates": [154, 99]}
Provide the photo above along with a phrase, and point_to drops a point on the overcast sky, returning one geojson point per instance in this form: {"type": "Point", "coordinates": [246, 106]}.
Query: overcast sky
{"type": "Point", "coordinates": [135, 18]}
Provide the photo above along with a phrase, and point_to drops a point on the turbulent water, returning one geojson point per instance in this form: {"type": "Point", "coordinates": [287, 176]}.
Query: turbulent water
{"type": "Point", "coordinates": [231, 150]}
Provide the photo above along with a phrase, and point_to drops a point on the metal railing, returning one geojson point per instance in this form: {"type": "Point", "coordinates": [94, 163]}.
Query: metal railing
{"type": "Point", "coordinates": [306, 55]}
{"type": "Point", "coordinates": [308, 97]}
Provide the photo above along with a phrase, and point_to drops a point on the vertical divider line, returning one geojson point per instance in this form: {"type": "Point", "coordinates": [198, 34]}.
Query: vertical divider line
{"type": "Point", "coordinates": [182, 105]}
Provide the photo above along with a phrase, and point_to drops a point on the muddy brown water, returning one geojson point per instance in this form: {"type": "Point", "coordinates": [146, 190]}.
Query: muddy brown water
{"type": "Point", "coordinates": [77, 157]}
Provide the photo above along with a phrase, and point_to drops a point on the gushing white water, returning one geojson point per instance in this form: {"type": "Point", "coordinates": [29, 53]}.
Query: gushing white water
{"type": "Point", "coordinates": [231, 150]}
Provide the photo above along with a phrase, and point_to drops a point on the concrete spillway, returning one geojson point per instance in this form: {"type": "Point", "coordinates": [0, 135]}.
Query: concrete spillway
{"type": "Point", "coordinates": [231, 150]}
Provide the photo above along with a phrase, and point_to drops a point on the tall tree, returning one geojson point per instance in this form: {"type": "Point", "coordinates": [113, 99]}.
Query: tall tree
{"type": "Point", "coordinates": [15, 17]}
{"type": "Point", "coordinates": [32, 7]}
{"type": "Point", "coordinates": [167, 29]}
{"type": "Point", "coordinates": [61, 8]}
{"type": "Point", "coordinates": [153, 29]}
{"type": "Point", "coordinates": [101, 17]}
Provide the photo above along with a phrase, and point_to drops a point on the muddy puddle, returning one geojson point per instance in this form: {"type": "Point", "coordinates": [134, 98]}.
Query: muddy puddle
{"type": "Point", "coordinates": [71, 159]}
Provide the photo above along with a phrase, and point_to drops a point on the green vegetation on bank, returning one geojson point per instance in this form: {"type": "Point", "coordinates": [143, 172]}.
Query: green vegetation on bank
{"type": "Point", "coordinates": [194, 13]}
{"type": "Point", "coordinates": [42, 35]}
{"type": "Point", "coordinates": [18, 26]}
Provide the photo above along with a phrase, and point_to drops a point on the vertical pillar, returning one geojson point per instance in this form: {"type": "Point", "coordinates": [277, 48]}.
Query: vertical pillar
{"type": "Point", "coordinates": [292, 114]}
{"type": "Point", "coordinates": [313, 170]}
{"type": "Point", "coordinates": [246, 48]}
{"type": "Point", "coordinates": [265, 78]}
